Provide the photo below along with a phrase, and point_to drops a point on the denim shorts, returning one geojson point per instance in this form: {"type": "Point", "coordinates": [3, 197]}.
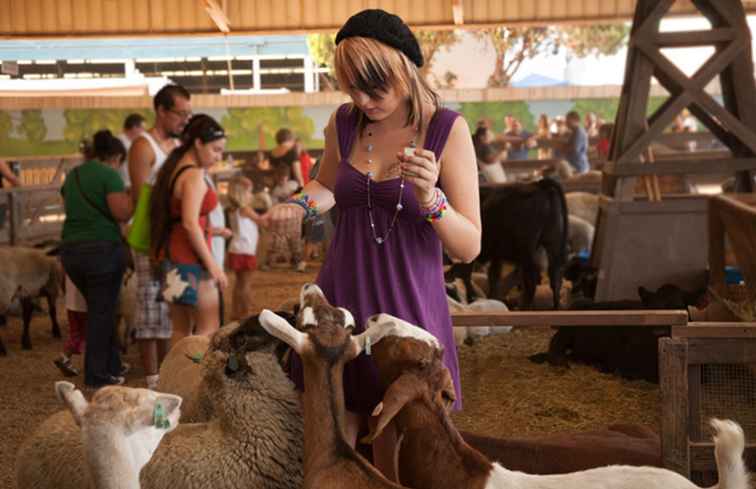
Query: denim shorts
{"type": "Point", "coordinates": [181, 282]}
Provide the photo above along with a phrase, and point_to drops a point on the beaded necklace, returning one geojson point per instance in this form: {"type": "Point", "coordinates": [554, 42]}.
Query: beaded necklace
{"type": "Point", "coordinates": [409, 150]}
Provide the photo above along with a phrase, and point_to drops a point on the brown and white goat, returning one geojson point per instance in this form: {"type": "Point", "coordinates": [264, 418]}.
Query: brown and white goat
{"type": "Point", "coordinates": [417, 400]}
{"type": "Point", "coordinates": [325, 344]}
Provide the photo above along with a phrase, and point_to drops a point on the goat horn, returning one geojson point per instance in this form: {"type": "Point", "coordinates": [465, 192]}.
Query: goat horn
{"type": "Point", "coordinates": [281, 329]}
{"type": "Point", "coordinates": [400, 392]}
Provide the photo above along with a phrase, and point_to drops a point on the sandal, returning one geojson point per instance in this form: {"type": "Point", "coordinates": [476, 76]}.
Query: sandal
{"type": "Point", "coordinates": [66, 367]}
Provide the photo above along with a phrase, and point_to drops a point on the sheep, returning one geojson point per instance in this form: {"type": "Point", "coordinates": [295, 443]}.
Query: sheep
{"type": "Point", "coordinates": [27, 273]}
{"type": "Point", "coordinates": [467, 335]}
{"type": "Point", "coordinates": [180, 374]}
{"type": "Point", "coordinates": [418, 398]}
{"type": "Point", "coordinates": [102, 444]}
{"type": "Point", "coordinates": [325, 346]}
{"type": "Point", "coordinates": [580, 234]}
{"type": "Point", "coordinates": [583, 205]}
{"type": "Point", "coordinates": [254, 435]}
{"type": "Point", "coordinates": [181, 370]}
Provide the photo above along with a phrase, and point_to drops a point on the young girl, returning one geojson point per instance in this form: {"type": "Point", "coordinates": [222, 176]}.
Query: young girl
{"type": "Point", "coordinates": [241, 251]}
{"type": "Point", "coordinates": [76, 310]}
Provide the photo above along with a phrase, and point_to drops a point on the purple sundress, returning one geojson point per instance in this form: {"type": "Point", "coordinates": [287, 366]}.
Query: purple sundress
{"type": "Point", "coordinates": [403, 276]}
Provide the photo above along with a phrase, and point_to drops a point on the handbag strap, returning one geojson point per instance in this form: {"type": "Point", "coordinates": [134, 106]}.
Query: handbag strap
{"type": "Point", "coordinates": [174, 220]}
{"type": "Point", "coordinates": [107, 216]}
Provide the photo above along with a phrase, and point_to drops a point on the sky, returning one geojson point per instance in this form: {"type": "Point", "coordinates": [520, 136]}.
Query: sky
{"type": "Point", "coordinates": [609, 70]}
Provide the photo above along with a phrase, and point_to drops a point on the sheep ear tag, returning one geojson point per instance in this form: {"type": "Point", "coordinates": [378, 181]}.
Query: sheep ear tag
{"type": "Point", "coordinates": [368, 346]}
{"type": "Point", "coordinates": [159, 419]}
{"type": "Point", "coordinates": [196, 358]}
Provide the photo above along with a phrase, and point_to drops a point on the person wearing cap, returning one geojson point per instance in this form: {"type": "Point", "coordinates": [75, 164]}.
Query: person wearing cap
{"type": "Point", "coordinates": [401, 171]}
{"type": "Point", "coordinates": [180, 230]}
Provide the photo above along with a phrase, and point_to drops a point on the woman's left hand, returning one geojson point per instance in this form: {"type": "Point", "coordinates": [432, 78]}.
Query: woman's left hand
{"type": "Point", "coordinates": [422, 170]}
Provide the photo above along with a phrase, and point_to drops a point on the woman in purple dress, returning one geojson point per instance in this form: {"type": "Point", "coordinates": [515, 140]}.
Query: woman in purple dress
{"type": "Point", "coordinates": [387, 156]}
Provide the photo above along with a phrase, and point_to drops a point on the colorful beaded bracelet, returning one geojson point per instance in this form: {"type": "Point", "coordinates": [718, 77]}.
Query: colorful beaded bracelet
{"type": "Point", "coordinates": [437, 209]}
{"type": "Point", "coordinates": [305, 202]}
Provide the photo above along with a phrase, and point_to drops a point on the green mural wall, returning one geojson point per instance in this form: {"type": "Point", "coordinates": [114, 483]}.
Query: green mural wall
{"type": "Point", "coordinates": [246, 127]}
{"type": "Point", "coordinates": [56, 131]}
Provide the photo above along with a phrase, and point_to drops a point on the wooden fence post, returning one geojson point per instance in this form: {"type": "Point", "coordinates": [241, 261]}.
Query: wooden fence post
{"type": "Point", "coordinates": [673, 381]}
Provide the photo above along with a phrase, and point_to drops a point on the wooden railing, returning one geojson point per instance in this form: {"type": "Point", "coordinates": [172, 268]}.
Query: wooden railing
{"type": "Point", "coordinates": [733, 216]}
{"type": "Point", "coordinates": [31, 214]}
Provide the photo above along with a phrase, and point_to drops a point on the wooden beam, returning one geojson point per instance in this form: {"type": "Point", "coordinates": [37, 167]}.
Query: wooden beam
{"type": "Point", "coordinates": [678, 167]}
{"type": "Point", "coordinates": [721, 351]}
{"type": "Point", "coordinates": [673, 383]}
{"type": "Point", "coordinates": [458, 12]}
{"type": "Point", "coordinates": [694, 38]}
{"type": "Point", "coordinates": [715, 330]}
{"type": "Point", "coordinates": [640, 318]}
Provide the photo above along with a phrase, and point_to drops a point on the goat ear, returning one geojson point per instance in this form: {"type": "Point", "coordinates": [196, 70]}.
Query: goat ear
{"type": "Point", "coordinates": [403, 390]}
{"type": "Point", "coordinates": [281, 329]}
{"type": "Point", "coordinates": [72, 398]}
{"type": "Point", "coordinates": [348, 318]}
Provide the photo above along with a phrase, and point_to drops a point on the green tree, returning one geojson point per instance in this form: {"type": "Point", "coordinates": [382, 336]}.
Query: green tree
{"type": "Point", "coordinates": [6, 124]}
{"type": "Point", "coordinates": [33, 126]}
{"type": "Point", "coordinates": [245, 127]}
{"type": "Point", "coordinates": [431, 42]}
{"type": "Point", "coordinates": [597, 40]}
{"type": "Point", "coordinates": [515, 45]}
{"type": "Point", "coordinates": [322, 48]}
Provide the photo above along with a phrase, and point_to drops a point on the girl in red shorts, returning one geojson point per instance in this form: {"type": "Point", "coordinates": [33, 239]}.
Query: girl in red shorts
{"type": "Point", "coordinates": [243, 246]}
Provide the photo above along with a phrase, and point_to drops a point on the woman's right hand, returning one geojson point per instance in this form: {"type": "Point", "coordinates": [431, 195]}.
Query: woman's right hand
{"type": "Point", "coordinates": [219, 276]}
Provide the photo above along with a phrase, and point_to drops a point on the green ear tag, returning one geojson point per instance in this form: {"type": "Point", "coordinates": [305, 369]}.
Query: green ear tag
{"type": "Point", "coordinates": [233, 363]}
{"type": "Point", "coordinates": [196, 358]}
{"type": "Point", "coordinates": [159, 418]}
{"type": "Point", "coordinates": [368, 346]}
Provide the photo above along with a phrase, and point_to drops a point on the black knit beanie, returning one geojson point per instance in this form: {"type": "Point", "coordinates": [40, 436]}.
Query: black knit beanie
{"type": "Point", "coordinates": [384, 27]}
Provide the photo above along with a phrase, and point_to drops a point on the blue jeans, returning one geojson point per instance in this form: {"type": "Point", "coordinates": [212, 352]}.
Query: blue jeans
{"type": "Point", "coordinates": [97, 268]}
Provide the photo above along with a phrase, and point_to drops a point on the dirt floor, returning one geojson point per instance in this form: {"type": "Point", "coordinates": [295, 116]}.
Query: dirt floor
{"type": "Point", "coordinates": [504, 394]}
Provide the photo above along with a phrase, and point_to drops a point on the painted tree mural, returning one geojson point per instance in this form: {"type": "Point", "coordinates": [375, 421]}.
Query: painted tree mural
{"type": "Point", "coordinates": [495, 112]}
{"type": "Point", "coordinates": [33, 126]}
{"type": "Point", "coordinates": [6, 124]}
{"type": "Point", "coordinates": [83, 123]}
{"type": "Point", "coordinates": [255, 127]}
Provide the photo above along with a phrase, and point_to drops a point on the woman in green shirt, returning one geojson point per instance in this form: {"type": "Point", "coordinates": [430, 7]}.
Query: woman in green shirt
{"type": "Point", "coordinates": [93, 253]}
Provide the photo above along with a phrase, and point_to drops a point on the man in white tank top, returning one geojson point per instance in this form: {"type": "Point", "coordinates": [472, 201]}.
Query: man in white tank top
{"type": "Point", "coordinates": [146, 155]}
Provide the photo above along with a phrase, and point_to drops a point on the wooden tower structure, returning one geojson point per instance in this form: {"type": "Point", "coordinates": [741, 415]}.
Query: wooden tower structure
{"type": "Point", "coordinates": [733, 124]}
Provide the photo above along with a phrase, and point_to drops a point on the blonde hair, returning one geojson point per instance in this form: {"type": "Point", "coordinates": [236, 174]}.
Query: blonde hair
{"type": "Point", "coordinates": [370, 66]}
{"type": "Point", "coordinates": [240, 191]}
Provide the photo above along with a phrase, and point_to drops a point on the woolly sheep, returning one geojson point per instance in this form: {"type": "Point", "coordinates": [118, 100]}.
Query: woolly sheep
{"type": "Point", "coordinates": [27, 273]}
{"type": "Point", "coordinates": [254, 437]}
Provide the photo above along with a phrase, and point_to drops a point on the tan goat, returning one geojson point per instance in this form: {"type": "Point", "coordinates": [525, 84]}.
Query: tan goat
{"type": "Point", "coordinates": [325, 345]}
{"type": "Point", "coordinates": [418, 397]}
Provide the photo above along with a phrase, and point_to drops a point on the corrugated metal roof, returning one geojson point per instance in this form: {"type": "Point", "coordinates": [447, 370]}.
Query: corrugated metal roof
{"type": "Point", "coordinates": [144, 48]}
{"type": "Point", "coordinates": [102, 18]}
